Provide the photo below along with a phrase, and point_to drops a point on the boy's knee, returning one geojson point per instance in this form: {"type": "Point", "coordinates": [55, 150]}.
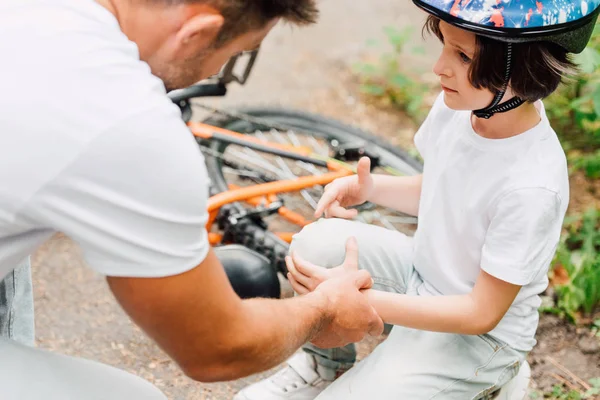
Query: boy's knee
{"type": "Point", "coordinates": [322, 242]}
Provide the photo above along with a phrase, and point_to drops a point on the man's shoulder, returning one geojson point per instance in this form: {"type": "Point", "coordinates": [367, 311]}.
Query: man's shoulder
{"type": "Point", "coordinates": [71, 86]}
{"type": "Point", "coordinates": [76, 53]}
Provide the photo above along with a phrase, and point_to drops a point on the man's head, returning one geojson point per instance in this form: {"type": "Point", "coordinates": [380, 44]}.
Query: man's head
{"type": "Point", "coordinates": [185, 41]}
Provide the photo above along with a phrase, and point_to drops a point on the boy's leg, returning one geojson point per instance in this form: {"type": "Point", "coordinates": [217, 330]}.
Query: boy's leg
{"type": "Point", "coordinates": [16, 305]}
{"type": "Point", "coordinates": [422, 365]}
{"type": "Point", "coordinates": [386, 254]}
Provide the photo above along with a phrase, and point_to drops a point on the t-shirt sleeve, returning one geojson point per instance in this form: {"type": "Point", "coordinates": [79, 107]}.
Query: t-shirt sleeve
{"type": "Point", "coordinates": [135, 199]}
{"type": "Point", "coordinates": [522, 236]}
{"type": "Point", "coordinates": [423, 135]}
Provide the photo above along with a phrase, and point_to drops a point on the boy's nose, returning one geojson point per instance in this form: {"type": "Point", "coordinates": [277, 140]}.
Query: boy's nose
{"type": "Point", "coordinates": [440, 67]}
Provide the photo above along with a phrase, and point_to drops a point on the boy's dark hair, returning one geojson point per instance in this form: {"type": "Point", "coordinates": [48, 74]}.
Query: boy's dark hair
{"type": "Point", "coordinates": [538, 67]}
{"type": "Point", "coordinates": [242, 16]}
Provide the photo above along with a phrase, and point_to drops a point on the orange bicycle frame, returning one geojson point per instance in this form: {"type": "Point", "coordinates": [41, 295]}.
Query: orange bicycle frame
{"type": "Point", "coordinates": [266, 193]}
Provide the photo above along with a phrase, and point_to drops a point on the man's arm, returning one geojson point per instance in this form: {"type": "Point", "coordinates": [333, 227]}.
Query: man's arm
{"type": "Point", "coordinates": [472, 314]}
{"type": "Point", "coordinates": [197, 318]}
{"type": "Point", "coordinates": [401, 193]}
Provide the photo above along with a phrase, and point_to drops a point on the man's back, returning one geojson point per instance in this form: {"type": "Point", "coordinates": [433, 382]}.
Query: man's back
{"type": "Point", "coordinates": [97, 124]}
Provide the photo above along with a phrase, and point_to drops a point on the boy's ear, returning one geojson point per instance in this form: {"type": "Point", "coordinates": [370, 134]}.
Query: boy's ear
{"type": "Point", "coordinates": [199, 31]}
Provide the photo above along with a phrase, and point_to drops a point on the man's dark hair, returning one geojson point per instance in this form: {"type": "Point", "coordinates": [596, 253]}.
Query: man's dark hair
{"type": "Point", "coordinates": [242, 16]}
{"type": "Point", "coordinates": [538, 67]}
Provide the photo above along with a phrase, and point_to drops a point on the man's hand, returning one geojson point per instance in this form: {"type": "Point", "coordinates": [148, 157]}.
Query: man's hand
{"type": "Point", "coordinates": [346, 192]}
{"type": "Point", "coordinates": [353, 316]}
{"type": "Point", "coordinates": [305, 276]}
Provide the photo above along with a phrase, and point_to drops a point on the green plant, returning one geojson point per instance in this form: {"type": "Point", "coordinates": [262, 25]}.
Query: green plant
{"type": "Point", "coordinates": [574, 109]}
{"type": "Point", "coordinates": [588, 163]}
{"type": "Point", "coordinates": [389, 78]}
{"type": "Point", "coordinates": [560, 393]}
{"type": "Point", "coordinates": [579, 254]}
{"type": "Point", "coordinates": [596, 328]}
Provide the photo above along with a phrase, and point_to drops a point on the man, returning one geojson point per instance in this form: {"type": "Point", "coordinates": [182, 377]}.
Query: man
{"type": "Point", "coordinates": [92, 147]}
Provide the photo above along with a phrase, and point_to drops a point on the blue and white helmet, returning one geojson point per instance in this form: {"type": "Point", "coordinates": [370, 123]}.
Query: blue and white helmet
{"type": "Point", "coordinates": [567, 23]}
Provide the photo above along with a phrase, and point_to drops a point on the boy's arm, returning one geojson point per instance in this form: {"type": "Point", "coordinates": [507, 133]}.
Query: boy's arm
{"type": "Point", "coordinates": [472, 314]}
{"type": "Point", "coordinates": [401, 193]}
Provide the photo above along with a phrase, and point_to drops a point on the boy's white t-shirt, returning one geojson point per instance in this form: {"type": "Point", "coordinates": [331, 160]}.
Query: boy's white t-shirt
{"type": "Point", "coordinates": [91, 146]}
{"type": "Point", "coordinates": [495, 205]}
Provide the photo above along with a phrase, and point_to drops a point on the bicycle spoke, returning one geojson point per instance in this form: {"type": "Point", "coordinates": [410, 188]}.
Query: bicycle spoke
{"type": "Point", "coordinates": [256, 162]}
{"type": "Point", "coordinates": [319, 148]}
{"type": "Point", "coordinates": [293, 138]}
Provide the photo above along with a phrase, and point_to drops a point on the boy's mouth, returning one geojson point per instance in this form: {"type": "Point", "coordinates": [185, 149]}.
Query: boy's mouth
{"type": "Point", "coordinates": [448, 90]}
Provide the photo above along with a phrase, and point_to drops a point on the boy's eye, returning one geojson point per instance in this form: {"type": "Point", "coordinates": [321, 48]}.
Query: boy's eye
{"type": "Point", "coordinates": [464, 57]}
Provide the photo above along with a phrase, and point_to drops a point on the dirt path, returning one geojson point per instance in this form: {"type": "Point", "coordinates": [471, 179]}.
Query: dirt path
{"type": "Point", "coordinates": [75, 312]}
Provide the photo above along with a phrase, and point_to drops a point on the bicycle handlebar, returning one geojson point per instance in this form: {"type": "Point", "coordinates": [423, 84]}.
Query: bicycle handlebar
{"type": "Point", "coordinates": [200, 90]}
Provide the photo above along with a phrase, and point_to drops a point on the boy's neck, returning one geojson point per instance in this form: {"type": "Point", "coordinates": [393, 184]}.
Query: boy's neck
{"type": "Point", "coordinates": [508, 124]}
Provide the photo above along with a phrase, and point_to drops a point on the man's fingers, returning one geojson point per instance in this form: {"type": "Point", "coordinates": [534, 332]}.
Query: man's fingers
{"type": "Point", "coordinates": [298, 277]}
{"type": "Point", "coordinates": [351, 259]}
{"type": "Point", "coordinates": [363, 169]}
{"type": "Point", "coordinates": [298, 288]}
{"type": "Point", "coordinates": [362, 279]}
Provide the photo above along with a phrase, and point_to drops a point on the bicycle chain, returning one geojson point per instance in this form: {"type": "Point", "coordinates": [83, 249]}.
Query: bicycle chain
{"type": "Point", "coordinates": [252, 233]}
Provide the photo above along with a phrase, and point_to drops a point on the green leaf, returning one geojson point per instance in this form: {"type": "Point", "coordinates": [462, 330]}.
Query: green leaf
{"type": "Point", "coordinates": [372, 43]}
{"type": "Point", "coordinates": [588, 60]}
{"type": "Point", "coordinates": [596, 99]}
{"type": "Point", "coordinates": [418, 50]}
{"type": "Point", "coordinates": [557, 390]}
{"type": "Point", "coordinates": [400, 80]}
{"type": "Point", "coordinates": [373, 89]}
{"type": "Point", "coordinates": [579, 102]}
{"type": "Point", "coordinates": [591, 392]}
{"type": "Point", "coordinates": [535, 395]}
{"type": "Point", "coordinates": [366, 69]}
{"type": "Point", "coordinates": [595, 382]}
{"type": "Point", "coordinates": [414, 104]}
{"type": "Point", "coordinates": [394, 36]}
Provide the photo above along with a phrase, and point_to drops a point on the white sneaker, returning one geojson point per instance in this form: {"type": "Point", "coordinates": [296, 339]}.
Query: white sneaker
{"type": "Point", "coordinates": [300, 380]}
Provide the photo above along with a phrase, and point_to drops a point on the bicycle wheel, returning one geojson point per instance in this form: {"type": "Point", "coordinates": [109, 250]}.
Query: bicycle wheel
{"type": "Point", "coordinates": [235, 165]}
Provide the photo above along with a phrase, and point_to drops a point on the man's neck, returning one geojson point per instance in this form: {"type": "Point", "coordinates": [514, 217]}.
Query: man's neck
{"type": "Point", "coordinates": [110, 6]}
{"type": "Point", "coordinates": [141, 23]}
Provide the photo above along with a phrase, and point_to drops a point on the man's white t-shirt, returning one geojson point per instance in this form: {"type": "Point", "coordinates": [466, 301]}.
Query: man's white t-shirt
{"type": "Point", "coordinates": [92, 147]}
{"type": "Point", "coordinates": [495, 205]}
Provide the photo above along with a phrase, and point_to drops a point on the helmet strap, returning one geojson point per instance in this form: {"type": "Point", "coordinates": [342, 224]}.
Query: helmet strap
{"type": "Point", "coordinates": [508, 105]}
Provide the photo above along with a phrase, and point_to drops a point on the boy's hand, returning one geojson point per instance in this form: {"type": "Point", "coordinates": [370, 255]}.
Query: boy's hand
{"type": "Point", "coordinates": [346, 192]}
{"type": "Point", "coordinates": [305, 276]}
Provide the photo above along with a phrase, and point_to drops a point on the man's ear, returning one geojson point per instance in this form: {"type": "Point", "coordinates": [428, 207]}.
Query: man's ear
{"type": "Point", "coordinates": [199, 30]}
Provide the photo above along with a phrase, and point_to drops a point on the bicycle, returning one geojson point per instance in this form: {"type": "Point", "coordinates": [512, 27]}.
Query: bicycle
{"type": "Point", "coordinates": [267, 168]}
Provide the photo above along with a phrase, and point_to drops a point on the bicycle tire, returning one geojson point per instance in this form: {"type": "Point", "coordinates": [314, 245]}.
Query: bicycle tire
{"type": "Point", "coordinates": [311, 123]}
